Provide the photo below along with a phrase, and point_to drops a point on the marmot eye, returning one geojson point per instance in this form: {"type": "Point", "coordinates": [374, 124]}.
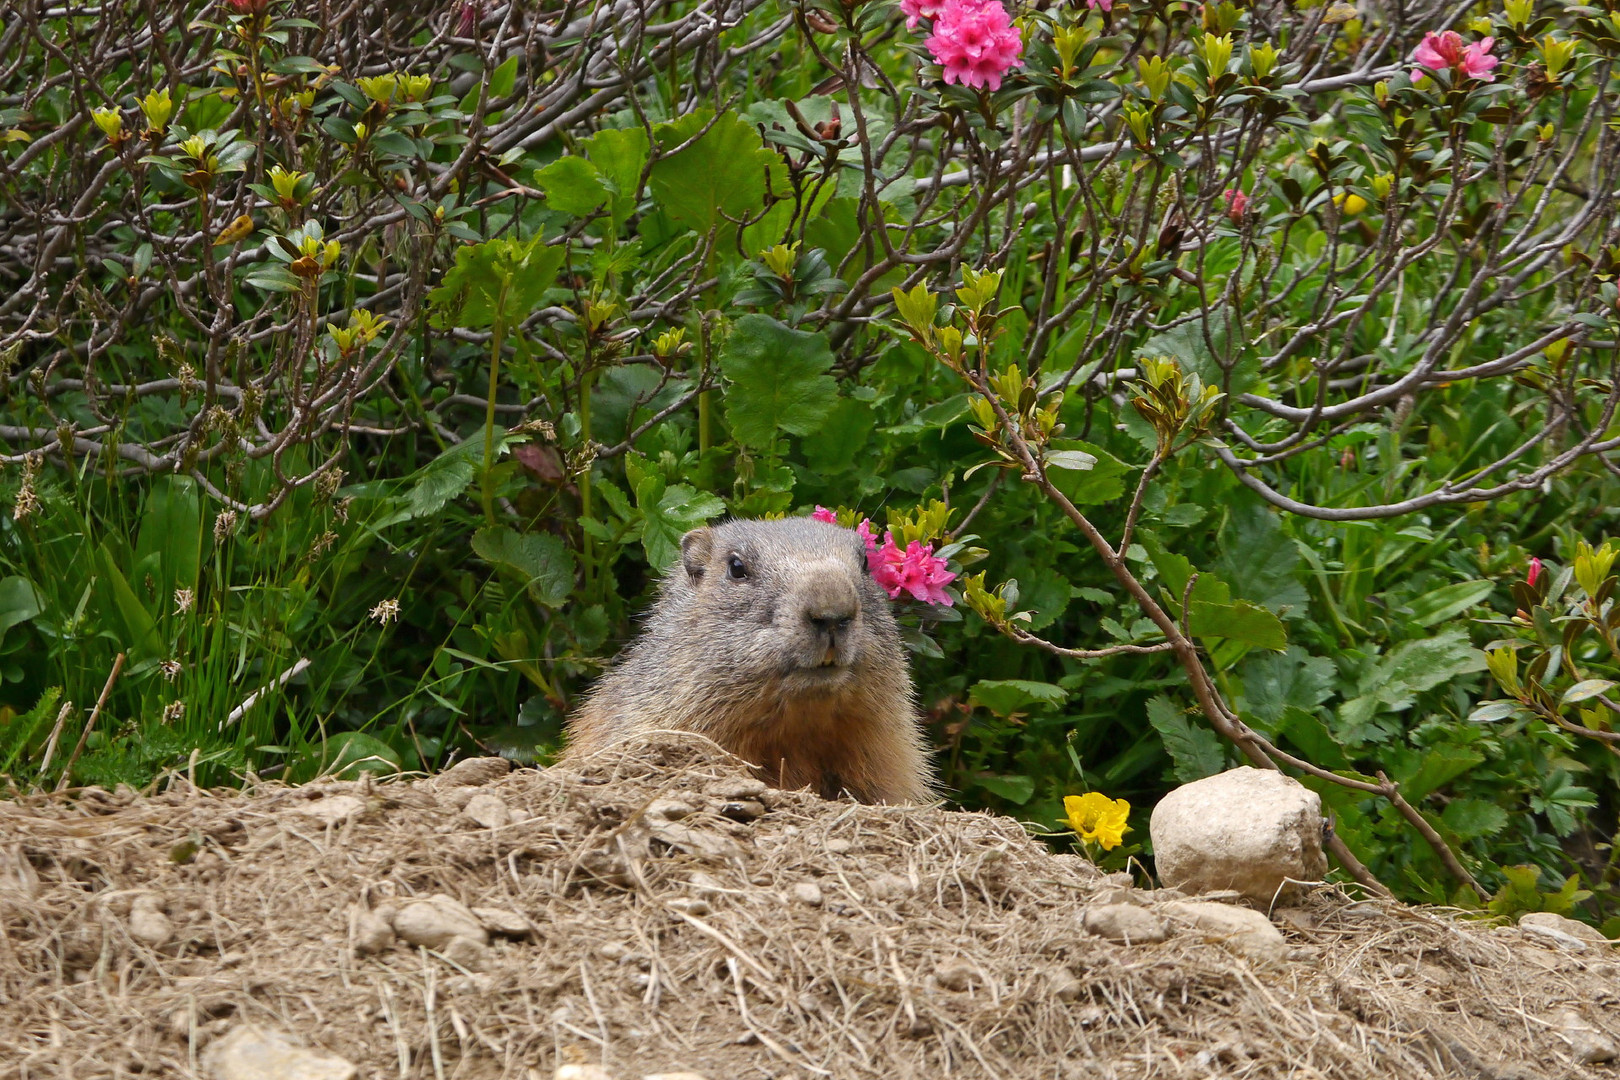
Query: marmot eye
{"type": "Point", "coordinates": [735, 570]}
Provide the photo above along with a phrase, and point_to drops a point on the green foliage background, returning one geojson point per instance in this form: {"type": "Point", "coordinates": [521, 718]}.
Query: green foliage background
{"type": "Point", "coordinates": [676, 307]}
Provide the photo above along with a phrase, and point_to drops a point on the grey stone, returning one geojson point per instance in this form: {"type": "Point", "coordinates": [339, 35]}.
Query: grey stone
{"type": "Point", "coordinates": [1246, 830]}
{"type": "Point", "coordinates": [250, 1052]}
{"type": "Point", "coordinates": [1126, 923]}
{"type": "Point", "coordinates": [1241, 930]}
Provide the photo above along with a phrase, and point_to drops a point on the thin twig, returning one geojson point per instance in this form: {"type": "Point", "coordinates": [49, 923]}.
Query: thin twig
{"type": "Point", "coordinates": [90, 724]}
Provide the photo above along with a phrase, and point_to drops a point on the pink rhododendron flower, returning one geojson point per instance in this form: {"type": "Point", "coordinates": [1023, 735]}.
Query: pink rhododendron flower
{"type": "Point", "coordinates": [1446, 51]}
{"type": "Point", "coordinates": [824, 514]}
{"type": "Point", "coordinates": [918, 10]}
{"type": "Point", "coordinates": [917, 571]}
{"type": "Point", "coordinates": [1100, 5]}
{"type": "Point", "coordinates": [1535, 572]}
{"type": "Point", "coordinates": [1237, 203]}
{"type": "Point", "coordinates": [975, 42]}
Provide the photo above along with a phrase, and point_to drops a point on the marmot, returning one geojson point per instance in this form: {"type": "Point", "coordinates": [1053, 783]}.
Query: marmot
{"type": "Point", "coordinates": [772, 639]}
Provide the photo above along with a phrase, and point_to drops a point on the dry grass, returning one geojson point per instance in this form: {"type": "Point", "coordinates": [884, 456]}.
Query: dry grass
{"type": "Point", "coordinates": [944, 945]}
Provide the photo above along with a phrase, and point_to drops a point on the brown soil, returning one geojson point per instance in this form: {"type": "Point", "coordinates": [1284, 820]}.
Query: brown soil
{"type": "Point", "coordinates": [821, 939]}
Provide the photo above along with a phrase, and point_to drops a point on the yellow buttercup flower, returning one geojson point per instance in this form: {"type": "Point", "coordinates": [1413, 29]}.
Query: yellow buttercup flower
{"type": "Point", "coordinates": [1350, 202]}
{"type": "Point", "coordinates": [1096, 817]}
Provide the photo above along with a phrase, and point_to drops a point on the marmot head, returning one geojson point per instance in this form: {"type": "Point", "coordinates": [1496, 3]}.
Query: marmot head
{"type": "Point", "coordinates": [788, 602]}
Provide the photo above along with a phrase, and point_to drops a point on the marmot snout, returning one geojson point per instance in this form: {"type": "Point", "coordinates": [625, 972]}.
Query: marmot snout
{"type": "Point", "coordinates": [771, 638]}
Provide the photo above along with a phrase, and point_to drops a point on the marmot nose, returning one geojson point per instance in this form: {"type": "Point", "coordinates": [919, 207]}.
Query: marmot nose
{"type": "Point", "coordinates": [833, 624]}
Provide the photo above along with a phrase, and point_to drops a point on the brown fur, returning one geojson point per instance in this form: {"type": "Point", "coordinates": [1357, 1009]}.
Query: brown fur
{"type": "Point", "coordinates": [796, 666]}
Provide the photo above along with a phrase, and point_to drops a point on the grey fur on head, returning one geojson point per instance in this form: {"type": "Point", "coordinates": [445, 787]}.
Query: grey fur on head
{"type": "Point", "coordinates": [771, 638]}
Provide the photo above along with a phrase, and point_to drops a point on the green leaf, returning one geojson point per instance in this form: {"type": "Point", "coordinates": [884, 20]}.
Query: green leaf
{"type": "Point", "coordinates": [1238, 621]}
{"type": "Point", "coordinates": [139, 634]}
{"type": "Point", "coordinates": [1414, 666]}
{"type": "Point", "coordinates": [1273, 681]}
{"type": "Point", "coordinates": [1077, 460]}
{"type": "Point", "coordinates": [541, 561]}
{"type": "Point", "coordinates": [619, 155]}
{"type": "Point", "coordinates": [834, 446]}
{"type": "Point", "coordinates": [1489, 712]}
{"type": "Point", "coordinates": [19, 602]}
{"type": "Point", "coordinates": [169, 545]}
{"type": "Point", "coordinates": [1007, 696]}
{"type": "Point", "coordinates": [1186, 344]}
{"type": "Point", "coordinates": [350, 753]}
{"type": "Point", "coordinates": [1259, 560]}
{"type": "Point", "coordinates": [1195, 750]}
{"type": "Point", "coordinates": [1435, 769]}
{"type": "Point", "coordinates": [497, 278]}
{"type": "Point", "coordinates": [572, 185]}
{"type": "Point", "coordinates": [1470, 819]}
{"type": "Point", "coordinates": [1015, 789]}
{"type": "Point", "coordinates": [504, 78]}
{"type": "Point", "coordinates": [1305, 730]}
{"type": "Point", "coordinates": [1448, 600]}
{"type": "Point", "coordinates": [1586, 688]}
{"type": "Point", "coordinates": [722, 173]}
{"type": "Point", "coordinates": [1101, 482]}
{"type": "Point", "coordinates": [778, 380]}
{"type": "Point", "coordinates": [669, 513]}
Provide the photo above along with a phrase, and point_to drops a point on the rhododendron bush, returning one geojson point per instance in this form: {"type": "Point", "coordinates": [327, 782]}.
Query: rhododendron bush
{"type": "Point", "coordinates": [1204, 379]}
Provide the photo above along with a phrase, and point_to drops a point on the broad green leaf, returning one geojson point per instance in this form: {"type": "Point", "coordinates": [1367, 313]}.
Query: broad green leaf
{"type": "Point", "coordinates": [619, 155]}
{"type": "Point", "coordinates": [1007, 696]}
{"type": "Point", "coordinates": [722, 173]}
{"type": "Point", "coordinates": [1305, 730]}
{"type": "Point", "coordinates": [19, 602]}
{"type": "Point", "coordinates": [835, 445]}
{"type": "Point", "coordinates": [669, 512]}
{"type": "Point", "coordinates": [503, 79]}
{"type": "Point", "coordinates": [1101, 482]}
{"type": "Point", "coordinates": [1015, 789]}
{"type": "Point", "coordinates": [1491, 711]}
{"type": "Point", "coordinates": [1448, 600]}
{"type": "Point", "coordinates": [1473, 818]}
{"type": "Point", "coordinates": [497, 278]}
{"type": "Point", "coordinates": [1585, 689]}
{"type": "Point", "coordinates": [540, 560]}
{"type": "Point", "coordinates": [572, 185]}
{"type": "Point", "coordinates": [1076, 460]}
{"type": "Point", "coordinates": [778, 380]}
{"type": "Point", "coordinates": [350, 753]}
{"type": "Point", "coordinates": [1174, 570]}
{"type": "Point", "coordinates": [1238, 621]}
{"type": "Point", "coordinates": [1273, 681]}
{"type": "Point", "coordinates": [1194, 749]}
{"type": "Point", "coordinates": [1435, 769]}
{"type": "Point", "coordinates": [169, 545]}
{"type": "Point", "coordinates": [1187, 345]}
{"type": "Point", "coordinates": [1259, 560]}
{"type": "Point", "coordinates": [139, 636]}
{"type": "Point", "coordinates": [1414, 666]}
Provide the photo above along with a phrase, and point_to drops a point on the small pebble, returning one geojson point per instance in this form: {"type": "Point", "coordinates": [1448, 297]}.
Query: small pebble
{"type": "Point", "coordinates": [808, 893]}
{"type": "Point", "coordinates": [147, 923]}
{"type": "Point", "coordinates": [487, 810]}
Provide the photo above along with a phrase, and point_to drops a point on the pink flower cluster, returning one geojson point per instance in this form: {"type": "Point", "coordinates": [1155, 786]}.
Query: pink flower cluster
{"type": "Point", "coordinates": [1237, 204]}
{"type": "Point", "coordinates": [973, 40]}
{"type": "Point", "coordinates": [1445, 51]}
{"type": "Point", "coordinates": [916, 570]}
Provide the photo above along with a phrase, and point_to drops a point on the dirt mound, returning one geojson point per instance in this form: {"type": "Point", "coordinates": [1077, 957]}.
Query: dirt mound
{"type": "Point", "coordinates": [660, 911]}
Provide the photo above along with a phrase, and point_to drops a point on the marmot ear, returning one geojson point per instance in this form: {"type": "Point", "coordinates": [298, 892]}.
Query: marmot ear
{"type": "Point", "coordinates": [696, 547]}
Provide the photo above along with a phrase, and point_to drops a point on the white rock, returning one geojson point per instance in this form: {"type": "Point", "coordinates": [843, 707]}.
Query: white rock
{"type": "Point", "coordinates": [250, 1052]}
{"type": "Point", "coordinates": [437, 921]}
{"type": "Point", "coordinates": [1242, 930]}
{"type": "Point", "coordinates": [504, 921]}
{"type": "Point", "coordinates": [147, 923]}
{"type": "Point", "coordinates": [582, 1072]}
{"type": "Point", "coordinates": [1246, 830]}
{"type": "Point", "coordinates": [1588, 1044]}
{"type": "Point", "coordinates": [1126, 923]}
{"type": "Point", "coordinates": [1565, 933]}
{"type": "Point", "coordinates": [473, 772]}
{"type": "Point", "coordinates": [487, 810]}
{"type": "Point", "coordinates": [807, 893]}
{"type": "Point", "coordinates": [370, 932]}
{"type": "Point", "coordinates": [334, 809]}
{"type": "Point", "coordinates": [889, 887]}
